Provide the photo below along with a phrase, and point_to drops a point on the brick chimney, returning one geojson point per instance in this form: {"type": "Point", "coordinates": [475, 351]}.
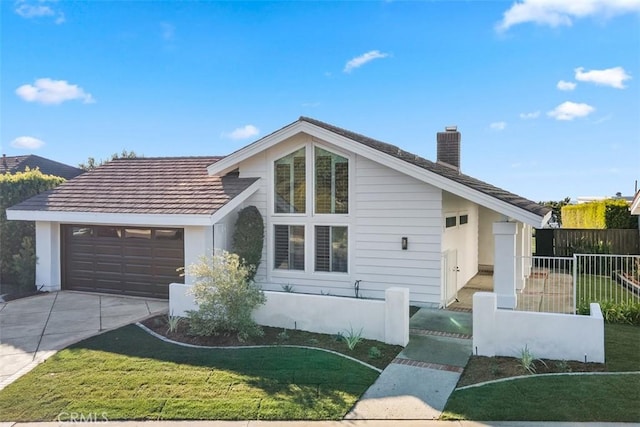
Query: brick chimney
{"type": "Point", "coordinates": [449, 147]}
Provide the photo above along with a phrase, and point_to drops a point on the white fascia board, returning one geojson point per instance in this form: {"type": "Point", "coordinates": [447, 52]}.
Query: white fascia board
{"type": "Point", "coordinates": [235, 202]}
{"type": "Point", "coordinates": [109, 218]}
{"type": "Point", "coordinates": [434, 179]}
{"type": "Point", "coordinates": [231, 162]}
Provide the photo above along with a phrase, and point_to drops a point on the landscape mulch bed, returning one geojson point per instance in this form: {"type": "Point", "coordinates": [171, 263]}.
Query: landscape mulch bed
{"type": "Point", "coordinates": [279, 336]}
{"type": "Point", "coordinates": [480, 369]}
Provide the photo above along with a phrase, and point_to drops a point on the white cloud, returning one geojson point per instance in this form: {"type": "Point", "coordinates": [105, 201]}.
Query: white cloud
{"type": "Point", "coordinates": [555, 13]}
{"type": "Point", "coordinates": [359, 61]}
{"type": "Point", "coordinates": [571, 110]}
{"type": "Point", "coordinates": [27, 143]}
{"type": "Point", "coordinates": [498, 125]}
{"type": "Point", "coordinates": [529, 116]}
{"type": "Point", "coordinates": [30, 9]}
{"type": "Point", "coordinates": [566, 86]}
{"type": "Point", "coordinates": [244, 132]}
{"type": "Point", "coordinates": [614, 77]}
{"type": "Point", "coordinates": [48, 91]}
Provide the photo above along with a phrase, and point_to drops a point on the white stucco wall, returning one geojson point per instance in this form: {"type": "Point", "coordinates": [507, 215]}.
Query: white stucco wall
{"type": "Point", "coordinates": [499, 332]}
{"type": "Point", "coordinates": [463, 238]}
{"type": "Point", "coordinates": [198, 241]}
{"type": "Point", "coordinates": [486, 218]}
{"type": "Point", "coordinates": [386, 321]}
{"type": "Point", "coordinates": [385, 205]}
{"type": "Point", "coordinates": [48, 267]}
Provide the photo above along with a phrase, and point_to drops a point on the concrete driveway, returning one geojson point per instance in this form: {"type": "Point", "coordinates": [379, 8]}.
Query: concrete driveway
{"type": "Point", "coordinates": [33, 329]}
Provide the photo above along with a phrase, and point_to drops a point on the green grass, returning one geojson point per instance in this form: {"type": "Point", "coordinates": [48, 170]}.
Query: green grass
{"type": "Point", "coordinates": [127, 374]}
{"type": "Point", "coordinates": [562, 398]}
{"type": "Point", "coordinates": [622, 348]}
{"type": "Point", "coordinates": [593, 288]}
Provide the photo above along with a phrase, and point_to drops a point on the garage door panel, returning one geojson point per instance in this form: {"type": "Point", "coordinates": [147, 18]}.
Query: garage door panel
{"type": "Point", "coordinates": [139, 264]}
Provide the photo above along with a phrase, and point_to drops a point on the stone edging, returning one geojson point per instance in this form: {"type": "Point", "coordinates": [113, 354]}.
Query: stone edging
{"type": "Point", "coordinates": [501, 380]}
{"type": "Point", "coordinates": [170, 341]}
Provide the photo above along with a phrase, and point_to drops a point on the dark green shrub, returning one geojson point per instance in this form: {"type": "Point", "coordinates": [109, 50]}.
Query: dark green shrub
{"type": "Point", "coordinates": [16, 188]}
{"type": "Point", "coordinates": [248, 237]}
{"type": "Point", "coordinates": [24, 265]}
{"type": "Point", "coordinates": [623, 312]}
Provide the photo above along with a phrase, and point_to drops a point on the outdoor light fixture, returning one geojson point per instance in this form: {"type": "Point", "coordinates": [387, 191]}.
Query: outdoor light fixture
{"type": "Point", "coordinates": [405, 243]}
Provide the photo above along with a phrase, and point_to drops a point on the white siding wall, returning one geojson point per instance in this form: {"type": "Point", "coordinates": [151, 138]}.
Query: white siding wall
{"type": "Point", "coordinates": [463, 238]}
{"type": "Point", "coordinates": [388, 206]}
{"type": "Point", "coordinates": [385, 205]}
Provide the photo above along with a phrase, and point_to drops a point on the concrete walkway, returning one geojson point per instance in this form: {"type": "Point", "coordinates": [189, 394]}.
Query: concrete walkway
{"type": "Point", "coordinates": [34, 328]}
{"type": "Point", "coordinates": [418, 383]}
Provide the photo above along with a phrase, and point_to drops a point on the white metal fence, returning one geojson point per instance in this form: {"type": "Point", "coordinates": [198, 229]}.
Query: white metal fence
{"type": "Point", "coordinates": [563, 284]}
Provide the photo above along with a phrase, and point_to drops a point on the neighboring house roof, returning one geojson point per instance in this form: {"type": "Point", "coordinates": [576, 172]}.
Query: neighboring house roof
{"type": "Point", "coordinates": [525, 210]}
{"type": "Point", "coordinates": [14, 164]}
{"type": "Point", "coordinates": [157, 186]}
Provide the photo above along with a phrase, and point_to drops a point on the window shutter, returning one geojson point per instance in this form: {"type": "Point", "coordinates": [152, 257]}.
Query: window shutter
{"type": "Point", "coordinates": [323, 255]}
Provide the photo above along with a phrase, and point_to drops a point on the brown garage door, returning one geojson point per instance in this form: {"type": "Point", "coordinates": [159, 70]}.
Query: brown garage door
{"type": "Point", "coordinates": [122, 260]}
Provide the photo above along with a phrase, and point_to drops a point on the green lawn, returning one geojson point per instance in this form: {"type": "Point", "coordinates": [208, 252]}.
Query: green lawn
{"type": "Point", "coordinates": [127, 374]}
{"type": "Point", "coordinates": [563, 398]}
{"type": "Point", "coordinates": [593, 288]}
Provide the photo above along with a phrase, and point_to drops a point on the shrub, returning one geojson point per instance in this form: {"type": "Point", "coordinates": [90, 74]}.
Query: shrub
{"type": "Point", "coordinates": [248, 237]}
{"type": "Point", "coordinates": [599, 214]}
{"type": "Point", "coordinates": [622, 312]}
{"type": "Point", "coordinates": [24, 265]}
{"type": "Point", "coordinates": [226, 297]}
{"type": "Point", "coordinates": [15, 188]}
{"type": "Point", "coordinates": [374, 352]}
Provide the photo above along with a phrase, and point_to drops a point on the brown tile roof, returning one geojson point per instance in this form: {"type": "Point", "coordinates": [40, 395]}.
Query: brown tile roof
{"type": "Point", "coordinates": [14, 164]}
{"type": "Point", "coordinates": [169, 185]}
{"type": "Point", "coordinates": [444, 171]}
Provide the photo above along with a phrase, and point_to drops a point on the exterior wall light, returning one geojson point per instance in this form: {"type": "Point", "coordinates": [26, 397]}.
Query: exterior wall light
{"type": "Point", "coordinates": [405, 243]}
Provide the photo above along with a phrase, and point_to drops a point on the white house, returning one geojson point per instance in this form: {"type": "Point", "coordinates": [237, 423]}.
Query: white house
{"type": "Point", "coordinates": [338, 208]}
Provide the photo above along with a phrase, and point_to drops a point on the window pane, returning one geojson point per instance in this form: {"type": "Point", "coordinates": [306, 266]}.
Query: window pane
{"type": "Point", "coordinates": [281, 247]}
{"type": "Point", "coordinates": [296, 247]}
{"type": "Point", "coordinates": [339, 249]}
{"type": "Point", "coordinates": [323, 255]}
{"type": "Point", "coordinates": [464, 219]}
{"type": "Point", "coordinates": [137, 233]}
{"type": "Point", "coordinates": [332, 249]}
{"type": "Point", "coordinates": [115, 232]}
{"type": "Point", "coordinates": [289, 247]}
{"type": "Point", "coordinates": [169, 234]}
{"type": "Point", "coordinates": [331, 182]}
{"type": "Point", "coordinates": [290, 183]}
{"type": "Point", "coordinates": [450, 221]}
{"type": "Point", "coordinates": [82, 231]}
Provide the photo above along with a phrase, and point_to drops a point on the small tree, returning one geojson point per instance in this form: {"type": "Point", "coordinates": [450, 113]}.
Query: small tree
{"type": "Point", "coordinates": [91, 163]}
{"type": "Point", "coordinates": [248, 237]}
{"type": "Point", "coordinates": [226, 297]}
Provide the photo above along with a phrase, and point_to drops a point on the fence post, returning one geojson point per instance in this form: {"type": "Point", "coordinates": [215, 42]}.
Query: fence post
{"type": "Point", "coordinates": [575, 281]}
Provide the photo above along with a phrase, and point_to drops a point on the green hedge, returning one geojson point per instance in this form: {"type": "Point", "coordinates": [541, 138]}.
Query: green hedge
{"type": "Point", "coordinates": [15, 235]}
{"type": "Point", "coordinates": [599, 215]}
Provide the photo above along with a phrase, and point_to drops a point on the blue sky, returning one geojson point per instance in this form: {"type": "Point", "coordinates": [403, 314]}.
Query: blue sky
{"type": "Point", "coordinates": [546, 93]}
